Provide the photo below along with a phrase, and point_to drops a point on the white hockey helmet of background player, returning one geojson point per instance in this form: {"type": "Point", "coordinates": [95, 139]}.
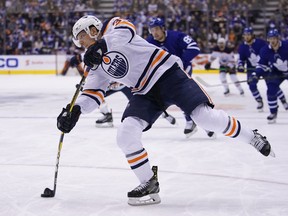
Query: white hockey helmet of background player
{"type": "Point", "coordinates": [84, 24]}
{"type": "Point", "coordinates": [221, 43]}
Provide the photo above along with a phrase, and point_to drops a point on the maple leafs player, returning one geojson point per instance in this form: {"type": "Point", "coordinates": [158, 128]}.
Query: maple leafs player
{"type": "Point", "coordinates": [273, 65]}
{"type": "Point", "coordinates": [116, 53]}
{"type": "Point", "coordinates": [227, 65]}
{"type": "Point", "coordinates": [249, 55]}
{"type": "Point", "coordinates": [181, 45]}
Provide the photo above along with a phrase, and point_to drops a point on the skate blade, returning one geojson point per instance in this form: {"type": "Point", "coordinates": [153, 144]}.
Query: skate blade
{"type": "Point", "coordinates": [105, 125]}
{"type": "Point", "coordinates": [150, 199]}
{"type": "Point", "coordinates": [260, 110]}
{"type": "Point", "coordinates": [191, 133]}
{"type": "Point", "coordinates": [272, 121]}
{"type": "Point", "coordinates": [272, 153]}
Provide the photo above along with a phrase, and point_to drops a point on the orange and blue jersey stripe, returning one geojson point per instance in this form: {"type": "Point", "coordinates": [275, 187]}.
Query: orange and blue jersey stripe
{"type": "Point", "coordinates": [95, 94]}
{"type": "Point", "coordinates": [158, 58]}
{"type": "Point", "coordinates": [119, 24]}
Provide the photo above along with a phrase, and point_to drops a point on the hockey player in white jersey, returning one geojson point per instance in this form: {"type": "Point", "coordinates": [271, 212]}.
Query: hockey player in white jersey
{"type": "Point", "coordinates": [116, 53]}
{"type": "Point", "coordinates": [227, 65]}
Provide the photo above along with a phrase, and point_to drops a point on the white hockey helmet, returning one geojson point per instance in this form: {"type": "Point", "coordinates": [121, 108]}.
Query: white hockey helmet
{"type": "Point", "coordinates": [83, 24]}
{"type": "Point", "coordinates": [221, 41]}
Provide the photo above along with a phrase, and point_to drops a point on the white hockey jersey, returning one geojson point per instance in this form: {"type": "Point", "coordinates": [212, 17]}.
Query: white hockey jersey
{"type": "Point", "coordinates": [130, 60]}
{"type": "Point", "coordinates": [226, 57]}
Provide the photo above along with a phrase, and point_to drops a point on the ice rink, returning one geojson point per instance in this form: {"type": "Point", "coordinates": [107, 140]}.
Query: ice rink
{"type": "Point", "coordinates": [198, 176]}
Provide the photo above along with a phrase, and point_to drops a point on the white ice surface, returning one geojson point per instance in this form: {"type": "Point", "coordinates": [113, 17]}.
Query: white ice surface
{"type": "Point", "coordinates": [198, 176]}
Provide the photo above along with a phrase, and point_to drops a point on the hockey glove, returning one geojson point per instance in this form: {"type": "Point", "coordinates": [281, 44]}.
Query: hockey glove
{"type": "Point", "coordinates": [231, 70]}
{"type": "Point", "coordinates": [93, 55]}
{"type": "Point", "coordinates": [240, 69]}
{"type": "Point", "coordinates": [67, 120]}
{"type": "Point", "coordinates": [253, 78]}
{"type": "Point", "coordinates": [207, 66]}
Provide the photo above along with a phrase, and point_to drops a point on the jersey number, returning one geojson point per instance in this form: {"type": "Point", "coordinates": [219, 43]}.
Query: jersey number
{"type": "Point", "coordinates": [188, 40]}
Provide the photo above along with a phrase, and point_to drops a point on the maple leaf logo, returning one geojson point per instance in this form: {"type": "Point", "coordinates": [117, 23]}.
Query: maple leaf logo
{"type": "Point", "coordinates": [254, 59]}
{"type": "Point", "coordinates": [281, 65]}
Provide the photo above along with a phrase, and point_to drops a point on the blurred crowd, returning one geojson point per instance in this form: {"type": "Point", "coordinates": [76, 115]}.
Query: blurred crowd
{"type": "Point", "coordinates": [44, 26]}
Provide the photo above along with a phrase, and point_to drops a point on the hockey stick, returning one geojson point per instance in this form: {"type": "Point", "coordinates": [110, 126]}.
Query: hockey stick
{"type": "Point", "coordinates": [204, 83]}
{"type": "Point", "coordinates": [48, 192]}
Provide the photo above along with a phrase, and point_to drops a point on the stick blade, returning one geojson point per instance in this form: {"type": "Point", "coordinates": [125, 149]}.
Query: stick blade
{"type": "Point", "coordinates": [202, 82]}
{"type": "Point", "coordinates": [48, 193]}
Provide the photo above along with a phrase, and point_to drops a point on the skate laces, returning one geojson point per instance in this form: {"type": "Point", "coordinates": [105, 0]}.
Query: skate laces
{"type": "Point", "coordinates": [142, 186]}
{"type": "Point", "coordinates": [258, 140]}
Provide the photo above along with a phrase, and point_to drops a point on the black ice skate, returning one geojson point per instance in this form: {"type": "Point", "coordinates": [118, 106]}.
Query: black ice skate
{"type": "Point", "coordinates": [272, 118]}
{"type": "Point", "coordinates": [105, 121]}
{"type": "Point", "coordinates": [190, 128]}
{"type": "Point", "coordinates": [261, 144]}
{"type": "Point", "coordinates": [211, 134]}
{"type": "Point", "coordinates": [146, 193]}
{"type": "Point", "coordinates": [260, 106]}
{"type": "Point", "coordinates": [227, 92]}
{"type": "Point", "coordinates": [169, 118]}
{"type": "Point", "coordinates": [285, 105]}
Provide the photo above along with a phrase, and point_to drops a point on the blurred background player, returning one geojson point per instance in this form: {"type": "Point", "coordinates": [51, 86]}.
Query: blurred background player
{"type": "Point", "coordinates": [181, 45]}
{"type": "Point", "coordinates": [73, 59]}
{"type": "Point", "coordinates": [107, 119]}
{"type": "Point", "coordinates": [249, 56]}
{"type": "Point", "coordinates": [227, 65]}
{"type": "Point", "coordinates": [273, 66]}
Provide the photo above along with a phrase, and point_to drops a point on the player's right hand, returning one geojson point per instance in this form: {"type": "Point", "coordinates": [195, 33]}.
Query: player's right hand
{"type": "Point", "coordinates": [67, 120]}
{"type": "Point", "coordinates": [253, 78]}
{"type": "Point", "coordinates": [240, 69]}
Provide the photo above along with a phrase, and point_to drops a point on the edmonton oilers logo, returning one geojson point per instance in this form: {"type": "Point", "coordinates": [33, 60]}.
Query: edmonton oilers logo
{"type": "Point", "coordinates": [115, 64]}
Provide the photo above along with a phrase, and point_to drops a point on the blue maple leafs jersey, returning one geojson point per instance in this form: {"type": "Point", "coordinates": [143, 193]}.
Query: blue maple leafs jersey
{"type": "Point", "coordinates": [249, 54]}
{"type": "Point", "coordinates": [271, 61]}
{"type": "Point", "coordinates": [179, 44]}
